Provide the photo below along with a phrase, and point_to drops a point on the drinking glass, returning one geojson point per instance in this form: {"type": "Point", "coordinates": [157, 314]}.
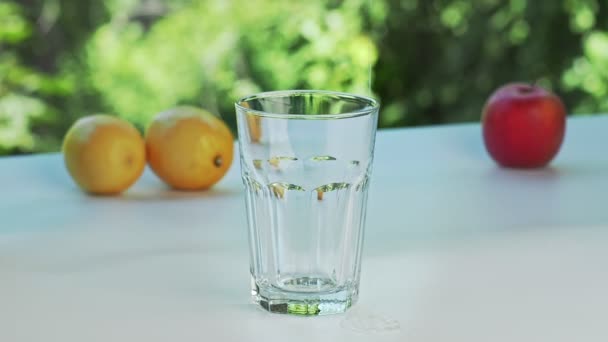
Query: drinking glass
{"type": "Point", "coordinates": [306, 159]}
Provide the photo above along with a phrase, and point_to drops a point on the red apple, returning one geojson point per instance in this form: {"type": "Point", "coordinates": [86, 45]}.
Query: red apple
{"type": "Point", "coordinates": [523, 125]}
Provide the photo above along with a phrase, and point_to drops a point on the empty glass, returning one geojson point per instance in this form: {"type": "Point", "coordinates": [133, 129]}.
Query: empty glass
{"type": "Point", "coordinates": [306, 159]}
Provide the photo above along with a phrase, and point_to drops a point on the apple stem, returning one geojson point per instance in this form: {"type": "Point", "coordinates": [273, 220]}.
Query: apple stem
{"type": "Point", "coordinates": [528, 88]}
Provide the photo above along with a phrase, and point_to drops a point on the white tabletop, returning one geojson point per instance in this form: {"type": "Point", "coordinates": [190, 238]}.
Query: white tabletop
{"type": "Point", "coordinates": [456, 249]}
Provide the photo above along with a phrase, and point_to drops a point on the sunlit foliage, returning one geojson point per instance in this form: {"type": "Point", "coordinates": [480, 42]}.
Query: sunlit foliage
{"type": "Point", "coordinates": [432, 61]}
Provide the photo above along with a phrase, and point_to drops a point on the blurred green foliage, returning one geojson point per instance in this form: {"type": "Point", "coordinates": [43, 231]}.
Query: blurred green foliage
{"type": "Point", "coordinates": [432, 61]}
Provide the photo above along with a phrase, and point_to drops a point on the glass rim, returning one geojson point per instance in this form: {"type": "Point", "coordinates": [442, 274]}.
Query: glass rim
{"type": "Point", "coordinates": [372, 107]}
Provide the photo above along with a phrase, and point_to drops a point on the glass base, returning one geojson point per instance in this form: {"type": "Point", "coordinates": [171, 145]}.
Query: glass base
{"type": "Point", "coordinates": [302, 302]}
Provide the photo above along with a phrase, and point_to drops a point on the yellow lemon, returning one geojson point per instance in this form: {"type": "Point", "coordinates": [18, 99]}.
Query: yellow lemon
{"type": "Point", "coordinates": [189, 148]}
{"type": "Point", "coordinates": [104, 154]}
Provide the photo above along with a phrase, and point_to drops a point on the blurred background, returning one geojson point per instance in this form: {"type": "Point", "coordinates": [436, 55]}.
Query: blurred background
{"type": "Point", "coordinates": [429, 61]}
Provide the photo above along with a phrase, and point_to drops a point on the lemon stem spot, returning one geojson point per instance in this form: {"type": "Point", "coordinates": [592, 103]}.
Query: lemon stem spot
{"type": "Point", "coordinates": [217, 161]}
